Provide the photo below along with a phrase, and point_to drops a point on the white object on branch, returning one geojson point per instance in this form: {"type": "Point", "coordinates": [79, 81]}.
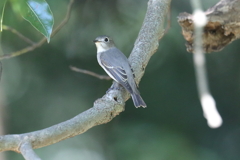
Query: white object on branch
{"type": "Point", "coordinates": [207, 101]}
{"type": "Point", "coordinates": [199, 18]}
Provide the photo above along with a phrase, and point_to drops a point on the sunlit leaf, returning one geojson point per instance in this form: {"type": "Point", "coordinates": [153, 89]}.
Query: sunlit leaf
{"type": "Point", "coordinates": [37, 13]}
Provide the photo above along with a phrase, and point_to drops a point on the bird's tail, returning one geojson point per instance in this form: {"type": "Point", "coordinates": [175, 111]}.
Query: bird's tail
{"type": "Point", "coordinates": [138, 101]}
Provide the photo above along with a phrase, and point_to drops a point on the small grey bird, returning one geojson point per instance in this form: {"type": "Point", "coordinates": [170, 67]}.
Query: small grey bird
{"type": "Point", "coordinates": [116, 64]}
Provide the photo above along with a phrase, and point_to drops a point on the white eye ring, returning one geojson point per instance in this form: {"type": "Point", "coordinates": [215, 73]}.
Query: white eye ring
{"type": "Point", "coordinates": [106, 39]}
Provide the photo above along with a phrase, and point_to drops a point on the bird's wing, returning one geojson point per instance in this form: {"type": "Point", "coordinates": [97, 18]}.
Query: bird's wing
{"type": "Point", "coordinates": [115, 64]}
{"type": "Point", "coordinates": [117, 72]}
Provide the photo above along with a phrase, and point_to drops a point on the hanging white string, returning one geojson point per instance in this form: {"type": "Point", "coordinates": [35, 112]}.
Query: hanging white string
{"type": "Point", "coordinates": [207, 101]}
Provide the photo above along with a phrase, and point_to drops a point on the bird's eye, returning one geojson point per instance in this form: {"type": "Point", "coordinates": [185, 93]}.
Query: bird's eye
{"type": "Point", "coordinates": [106, 39]}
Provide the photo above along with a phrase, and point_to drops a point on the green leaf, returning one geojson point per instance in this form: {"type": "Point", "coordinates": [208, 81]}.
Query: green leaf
{"type": "Point", "coordinates": [37, 13]}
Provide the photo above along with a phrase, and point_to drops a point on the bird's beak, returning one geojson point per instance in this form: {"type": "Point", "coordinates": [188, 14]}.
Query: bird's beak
{"type": "Point", "coordinates": [95, 41]}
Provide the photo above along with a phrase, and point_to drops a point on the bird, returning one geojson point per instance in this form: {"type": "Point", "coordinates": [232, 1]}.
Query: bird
{"type": "Point", "coordinates": [117, 66]}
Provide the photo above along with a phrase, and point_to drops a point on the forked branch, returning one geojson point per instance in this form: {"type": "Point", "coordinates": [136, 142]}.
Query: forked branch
{"type": "Point", "coordinates": [112, 103]}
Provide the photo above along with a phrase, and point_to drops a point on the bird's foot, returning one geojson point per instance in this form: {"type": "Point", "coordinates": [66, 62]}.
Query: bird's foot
{"type": "Point", "coordinates": [115, 86]}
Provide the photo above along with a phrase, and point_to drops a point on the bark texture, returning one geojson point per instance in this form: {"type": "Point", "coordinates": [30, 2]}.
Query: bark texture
{"type": "Point", "coordinates": [223, 26]}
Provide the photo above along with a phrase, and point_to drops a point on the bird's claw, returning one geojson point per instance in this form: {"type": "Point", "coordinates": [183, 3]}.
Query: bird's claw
{"type": "Point", "coordinates": [115, 86]}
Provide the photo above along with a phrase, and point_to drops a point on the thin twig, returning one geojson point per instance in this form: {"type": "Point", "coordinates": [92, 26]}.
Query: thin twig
{"type": "Point", "coordinates": [1, 18]}
{"type": "Point", "coordinates": [43, 40]}
{"type": "Point", "coordinates": [0, 70]}
{"type": "Point", "coordinates": [18, 34]}
{"type": "Point", "coordinates": [27, 151]}
{"type": "Point", "coordinates": [65, 20]}
{"type": "Point", "coordinates": [168, 21]}
{"type": "Point", "coordinates": [102, 77]}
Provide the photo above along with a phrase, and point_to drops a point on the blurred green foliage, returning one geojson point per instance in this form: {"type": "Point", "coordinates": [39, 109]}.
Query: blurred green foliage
{"type": "Point", "coordinates": [39, 89]}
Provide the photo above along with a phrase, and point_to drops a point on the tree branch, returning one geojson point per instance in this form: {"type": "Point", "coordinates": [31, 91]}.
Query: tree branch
{"type": "Point", "coordinates": [27, 151]}
{"type": "Point", "coordinates": [2, 118]}
{"type": "Point", "coordinates": [14, 31]}
{"type": "Point", "coordinates": [102, 77]}
{"type": "Point", "coordinates": [222, 28]}
{"type": "Point", "coordinates": [168, 21]}
{"type": "Point", "coordinates": [111, 104]}
{"type": "Point", "coordinates": [42, 41]}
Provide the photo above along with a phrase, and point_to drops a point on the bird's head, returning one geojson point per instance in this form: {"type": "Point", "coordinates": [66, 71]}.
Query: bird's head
{"type": "Point", "coordinates": [103, 43]}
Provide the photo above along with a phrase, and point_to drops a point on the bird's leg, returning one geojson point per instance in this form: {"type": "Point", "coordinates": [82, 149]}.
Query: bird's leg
{"type": "Point", "coordinates": [115, 86]}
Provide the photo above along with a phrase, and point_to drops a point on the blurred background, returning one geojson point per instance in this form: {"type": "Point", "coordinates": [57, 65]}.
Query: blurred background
{"type": "Point", "coordinates": [38, 90]}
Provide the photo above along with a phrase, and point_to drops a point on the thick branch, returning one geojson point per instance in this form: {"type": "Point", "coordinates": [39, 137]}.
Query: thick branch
{"type": "Point", "coordinates": [27, 151]}
{"type": "Point", "coordinates": [103, 111]}
{"type": "Point", "coordinates": [147, 41]}
{"type": "Point", "coordinates": [111, 104]}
